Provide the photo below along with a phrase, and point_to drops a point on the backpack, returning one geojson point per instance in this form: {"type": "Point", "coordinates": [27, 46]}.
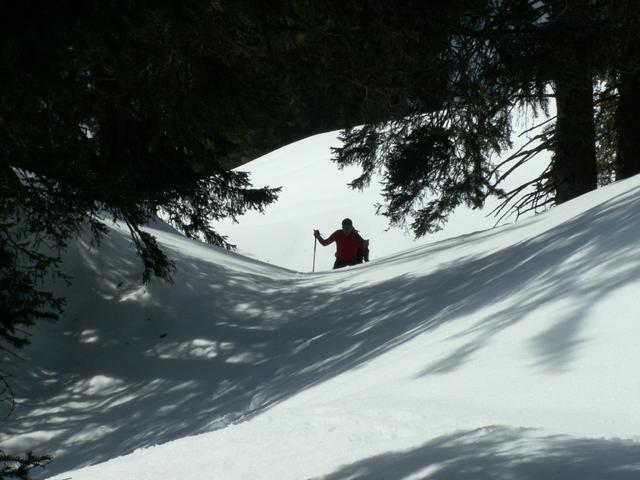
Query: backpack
{"type": "Point", "coordinates": [360, 257]}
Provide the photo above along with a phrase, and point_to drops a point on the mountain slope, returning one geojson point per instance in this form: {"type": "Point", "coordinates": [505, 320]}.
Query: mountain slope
{"type": "Point", "coordinates": [505, 353]}
{"type": "Point", "coordinates": [315, 195]}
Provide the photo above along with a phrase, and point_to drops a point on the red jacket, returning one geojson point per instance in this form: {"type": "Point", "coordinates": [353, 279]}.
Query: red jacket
{"type": "Point", "coordinates": [347, 246]}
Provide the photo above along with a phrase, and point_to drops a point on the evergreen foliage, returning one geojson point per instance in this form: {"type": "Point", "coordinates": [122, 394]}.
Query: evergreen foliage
{"type": "Point", "coordinates": [12, 466]}
{"type": "Point", "coordinates": [494, 58]}
{"type": "Point", "coordinates": [117, 111]}
{"type": "Point", "coordinates": [438, 155]}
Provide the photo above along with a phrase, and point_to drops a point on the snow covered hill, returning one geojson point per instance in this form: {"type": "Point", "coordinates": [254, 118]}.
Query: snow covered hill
{"type": "Point", "coordinates": [315, 195]}
{"type": "Point", "coordinates": [501, 354]}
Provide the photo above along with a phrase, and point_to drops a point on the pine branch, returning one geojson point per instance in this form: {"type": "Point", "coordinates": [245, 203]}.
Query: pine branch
{"type": "Point", "coordinates": [14, 466]}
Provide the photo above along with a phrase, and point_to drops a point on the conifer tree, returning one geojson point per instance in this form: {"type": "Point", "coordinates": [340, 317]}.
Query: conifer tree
{"type": "Point", "coordinates": [493, 58]}
{"type": "Point", "coordinates": [438, 155]}
{"type": "Point", "coordinates": [119, 111]}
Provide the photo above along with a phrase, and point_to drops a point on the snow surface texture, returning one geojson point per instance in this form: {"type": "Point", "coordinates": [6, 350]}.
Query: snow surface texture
{"type": "Point", "coordinates": [509, 353]}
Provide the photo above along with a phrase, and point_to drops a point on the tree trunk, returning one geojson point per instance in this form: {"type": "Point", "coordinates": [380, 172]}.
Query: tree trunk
{"type": "Point", "coordinates": [628, 162]}
{"type": "Point", "coordinates": [574, 163]}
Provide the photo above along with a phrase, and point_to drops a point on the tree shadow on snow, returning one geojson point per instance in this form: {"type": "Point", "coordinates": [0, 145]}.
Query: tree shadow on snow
{"type": "Point", "coordinates": [134, 366]}
{"type": "Point", "coordinates": [500, 453]}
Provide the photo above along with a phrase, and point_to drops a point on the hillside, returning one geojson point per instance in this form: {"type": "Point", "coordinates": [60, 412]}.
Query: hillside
{"type": "Point", "coordinates": [507, 353]}
{"type": "Point", "coordinates": [315, 194]}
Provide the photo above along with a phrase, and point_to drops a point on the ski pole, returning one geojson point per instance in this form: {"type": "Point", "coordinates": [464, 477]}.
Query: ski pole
{"type": "Point", "coordinates": [315, 243]}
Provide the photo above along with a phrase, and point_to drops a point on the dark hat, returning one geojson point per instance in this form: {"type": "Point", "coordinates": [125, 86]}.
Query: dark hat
{"type": "Point", "coordinates": [347, 222]}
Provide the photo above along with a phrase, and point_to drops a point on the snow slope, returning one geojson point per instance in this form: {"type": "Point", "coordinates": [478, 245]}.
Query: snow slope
{"type": "Point", "coordinates": [506, 353]}
{"type": "Point", "coordinates": [315, 195]}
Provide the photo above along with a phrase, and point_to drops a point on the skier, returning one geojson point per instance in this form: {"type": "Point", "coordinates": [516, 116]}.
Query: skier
{"type": "Point", "coordinates": [351, 249]}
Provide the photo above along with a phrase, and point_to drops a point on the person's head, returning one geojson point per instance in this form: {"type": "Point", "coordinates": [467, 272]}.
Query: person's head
{"type": "Point", "coordinates": [347, 225]}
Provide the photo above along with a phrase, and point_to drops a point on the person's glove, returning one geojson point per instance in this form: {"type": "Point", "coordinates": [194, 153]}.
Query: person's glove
{"type": "Point", "coordinates": [316, 233]}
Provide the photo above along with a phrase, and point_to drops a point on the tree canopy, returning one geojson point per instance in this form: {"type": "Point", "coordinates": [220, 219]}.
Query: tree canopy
{"type": "Point", "coordinates": [493, 59]}
{"type": "Point", "coordinates": [118, 111]}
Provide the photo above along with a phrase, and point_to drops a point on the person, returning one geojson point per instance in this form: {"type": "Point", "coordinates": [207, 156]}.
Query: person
{"type": "Point", "coordinates": [351, 249]}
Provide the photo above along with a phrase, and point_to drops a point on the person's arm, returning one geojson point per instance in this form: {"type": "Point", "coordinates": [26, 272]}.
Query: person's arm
{"type": "Point", "coordinates": [323, 242]}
